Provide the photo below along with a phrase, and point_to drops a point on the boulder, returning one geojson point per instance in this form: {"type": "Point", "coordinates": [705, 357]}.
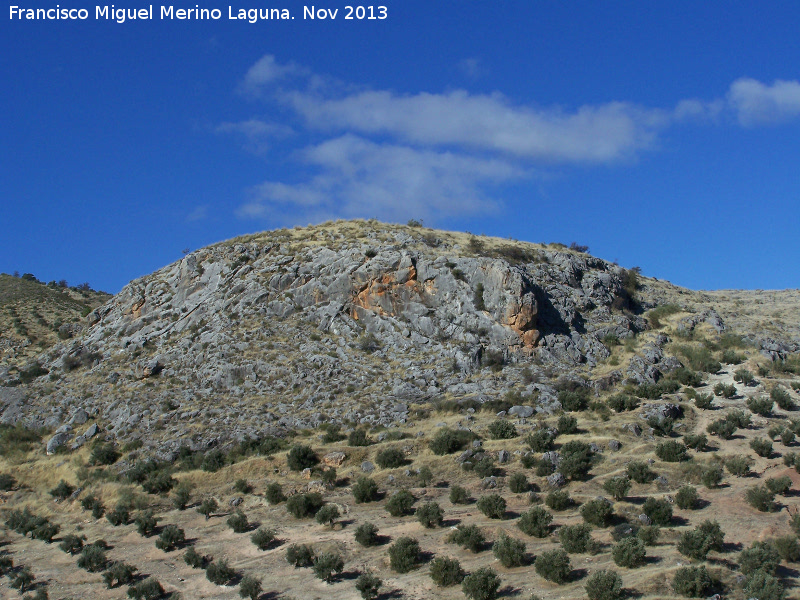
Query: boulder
{"type": "Point", "coordinates": [55, 442]}
{"type": "Point", "coordinates": [334, 459]}
{"type": "Point", "coordinates": [521, 411]}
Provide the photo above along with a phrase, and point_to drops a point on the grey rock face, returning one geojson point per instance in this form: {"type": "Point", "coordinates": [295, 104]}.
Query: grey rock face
{"type": "Point", "coordinates": [55, 442]}
{"type": "Point", "coordinates": [503, 457]}
{"type": "Point", "coordinates": [556, 480]}
{"type": "Point", "coordinates": [521, 411]}
{"type": "Point", "coordinates": [79, 417]}
{"type": "Point", "coordinates": [614, 445]}
{"type": "Point", "coordinates": [367, 467]}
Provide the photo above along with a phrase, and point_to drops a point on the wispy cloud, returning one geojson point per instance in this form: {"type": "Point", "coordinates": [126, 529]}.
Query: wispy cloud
{"type": "Point", "coordinates": [199, 213]}
{"type": "Point", "coordinates": [434, 154]}
{"type": "Point", "coordinates": [472, 68]}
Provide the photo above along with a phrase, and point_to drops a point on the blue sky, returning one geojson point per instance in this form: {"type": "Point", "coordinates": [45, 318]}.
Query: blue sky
{"type": "Point", "coordinates": [662, 135]}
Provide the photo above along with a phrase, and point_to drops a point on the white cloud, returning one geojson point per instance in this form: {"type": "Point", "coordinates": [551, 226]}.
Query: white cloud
{"type": "Point", "coordinates": [601, 133]}
{"type": "Point", "coordinates": [267, 71]}
{"type": "Point", "coordinates": [756, 103]}
{"type": "Point", "coordinates": [358, 177]}
{"type": "Point", "coordinates": [471, 68]}
{"type": "Point", "coordinates": [198, 214]}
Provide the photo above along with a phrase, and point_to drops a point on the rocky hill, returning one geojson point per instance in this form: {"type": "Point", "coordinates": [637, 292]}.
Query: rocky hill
{"type": "Point", "coordinates": [350, 322]}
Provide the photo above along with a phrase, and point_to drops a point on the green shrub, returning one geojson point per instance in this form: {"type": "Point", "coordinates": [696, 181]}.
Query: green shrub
{"type": "Point", "coordinates": [72, 544]}
{"type": "Point", "coordinates": [604, 585]}
{"type": "Point", "coordinates": [358, 437]}
{"type": "Point", "coordinates": [250, 587]}
{"type": "Point", "coordinates": [182, 497]}
{"type": "Point", "coordinates": [781, 397]}
{"type": "Point", "coordinates": [540, 440]}
{"type": "Point", "coordinates": [692, 582]}
{"type": "Point", "coordinates": [502, 430]}
{"type": "Point", "coordinates": [649, 534]}
{"type": "Point", "coordinates": [242, 486]}
{"type": "Point", "coordinates": [400, 503]}
{"type": "Point", "coordinates": [481, 584]}
{"type": "Point", "coordinates": [711, 476]}
{"type": "Point", "coordinates": [760, 406]}
{"type": "Point", "coordinates": [146, 523]}
{"type": "Point", "coordinates": [367, 535]}
{"type": "Point", "coordinates": [208, 507]}
{"type": "Point", "coordinates": [787, 437]}
{"type": "Point", "coordinates": [704, 538]}
{"type": "Point", "coordinates": [446, 571]}
{"type": "Point", "coordinates": [759, 556]}
{"type": "Point", "coordinates": [92, 558]}
{"type": "Point", "coordinates": [535, 522]}
{"type": "Point", "coordinates": [623, 402]}
{"type": "Point", "coordinates": [484, 467]}
{"type": "Point", "coordinates": [469, 537]}
{"type": "Point", "coordinates": [722, 428]}
{"type": "Point", "coordinates": [430, 515]}
{"type": "Point", "coordinates": [327, 566]}
{"type": "Point", "coordinates": [404, 554]}
{"type": "Point", "coordinates": [300, 555]}
{"type": "Point", "coordinates": [7, 482]}
{"type": "Point", "coordinates": [518, 483]}
{"type": "Point", "coordinates": [119, 516]}
{"type": "Point", "coordinates": [219, 573]}
{"type": "Point", "coordinates": [618, 486]}
{"type": "Point", "coordinates": [576, 539]}
{"type": "Point", "coordinates": [493, 506]}
{"type": "Point", "coordinates": [103, 454]}
{"type": "Point", "coordinates": [368, 585]}
{"type": "Point", "coordinates": [738, 465]}
{"type": "Point", "coordinates": [263, 538]}
{"type": "Point", "coordinates": [448, 441]}
{"type": "Point", "coordinates": [725, 390]}
{"type": "Point", "coordinates": [576, 459]}
{"type": "Point", "coordinates": [213, 461]}
{"type": "Point", "coordinates": [119, 573]}
{"type": "Point", "coordinates": [390, 458]}
{"type": "Point", "coordinates": [687, 497]}
{"type": "Point", "coordinates": [704, 401]}
{"type": "Point", "coordinates": [760, 498]}
{"type": "Point", "coordinates": [764, 586]}
{"type": "Point", "coordinates": [274, 493]}
{"type": "Point", "coordinates": [640, 472]}
{"type": "Point", "coordinates": [365, 490]}
{"type": "Point", "coordinates": [779, 485]}
{"type": "Point", "coordinates": [194, 559]}
{"type": "Point", "coordinates": [659, 510]}
{"type": "Point", "coordinates": [458, 495]}
{"type": "Point", "coordinates": [509, 551]}
{"type": "Point", "coordinates": [553, 565]}
{"type": "Point", "coordinates": [301, 457]}
{"type": "Point", "coordinates": [761, 446]}
{"type": "Point", "coordinates": [567, 425]}
{"type": "Point", "coordinates": [687, 377]}
{"type": "Point", "coordinates": [62, 491]}
{"type": "Point", "coordinates": [629, 553]}
{"type": "Point", "coordinates": [787, 547]}
{"type": "Point", "coordinates": [696, 441]}
{"type": "Point", "coordinates": [170, 538]}
{"type": "Point", "coordinates": [671, 451]}
{"type": "Point", "coordinates": [558, 500]}
{"type": "Point", "coordinates": [327, 515]}
{"type": "Point", "coordinates": [598, 512]}
{"type": "Point", "coordinates": [304, 506]}
{"type": "Point", "coordinates": [739, 418]}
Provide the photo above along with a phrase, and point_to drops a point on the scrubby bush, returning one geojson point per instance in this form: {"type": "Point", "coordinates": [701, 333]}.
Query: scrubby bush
{"type": "Point", "coordinates": [659, 510]}
{"type": "Point", "coordinates": [103, 454]}
{"type": "Point", "coordinates": [447, 441]}
{"type": "Point", "coordinates": [365, 490]}
{"type": "Point", "coordinates": [390, 458]}
{"type": "Point", "coordinates": [368, 585]}
{"type": "Point", "coordinates": [263, 538]}
{"type": "Point", "coordinates": [787, 547]}
{"type": "Point", "coordinates": [623, 402]}
{"type": "Point", "coordinates": [553, 565]}
{"type": "Point", "coordinates": [739, 418]}
{"type": "Point", "coordinates": [400, 503]}
{"type": "Point", "coordinates": [779, 485]}
{"type": "Point", "coordinates": [250, 587]}
{"type": "Point", "coordinates": [430, 515]}
{"type": "Point", "coordinates": [760, 498]}
{"type": "Point", "coordinates": [171, 537]}
{"type": "Point", "coordinates": [62, 491]}
{"type": "Point", "coordinates": [567, 425]}
{"type": "Point", "coordinates": [404, 554]}
{"type": "Point", "coordinates": [458, 495]}
{"type": "Point", "coordinates": [725, 390]}
{"type": "Point", "coordinates": [704, 401]}
{"type": "Point", "coordinates": [502, 430]}
{"type": "Point", "coordinates": [687, 497]}
{"type": "Point", "coordinates": [576, 539]}
{"type": "Point", "coordinates": [484, 467]}
{"type": "Point", "coordinates": [219, 572]}
{"type": "Point", "coordinates": [640, 472]}
{"type": "Point", "coordinates": [671, 451]}
{"type": "Point", "coordinates": [119, 516]}
{"type": "Point", "coordinates": [327, 566]}
{"type": "Point", "coordinates": [576, 459]}
{"type": "Point", "coordinates": [722, 428]}
{"type": "Point", "coordinates": [618, 486]}
{"type": "Point", "coordinates": [761, 446]}
{"type": "Point", "coordinates": [327, 515]}
{"type": "Point", "coordinates": [72, 544]}
{"type": "Point", "coordinates": [301, 457]}
{"type": "Point", "coordinates": [492, 505]}
{"type": "Point", "coordinates": [536, 522]}
{"type": "Point", "coordinates": [696, 441]}
{"type": "Point", "coordinates": [787, 437]}
{"type": "Point", "coordinates": [367, 534]}
{"type": "Point", "coordinates": [481, 584]}
{"type": "Point", "coordinates": [119, 573]}
{"type": "Point", "coordinates": [711, 476]}
{"type": "Point", "coordinates": [446, 571]}
{"type": "Point", "coordinates": [182, 497]}
{"type": "Point", "coordinates": [540, 440]}
{"type": "Point", "coordinates": [781, 397]}
{"type": "Point", "coordinates": [518, 483]}
{"type": "Point", "coordinates": [604, 585]}
{"type": "Point", "coordinates": [692, 582]}
{"type": "Point", "coordinates": [468, 536]}
{"type": "Point", "coordinates": [358, 437]}
{"type": "Point", "coordinates": [7, 482]}
{"type": "Point", "coordinates": [629, 553]}
{"type": "Point", "coordinates": [274, 493]}
{"type": "Point", "coordinates": [704, 538]}
{"type": "Point", "coordinates": [598, 512]}
{"type": "Point", "coordinates": [558, 500]}
{"type": "Point", "coordinates": [208, 507]}
{"type": "Point", "coordinates": [92, 558]}
{"type": "Point", "coordinates": [213, 460]}
{"type": "Point", "coordinates": [759, 556]}
{"type": "Point", "coordinates": [149, 589]}
{"type": "Point", "coordinates": [738, 465]}
{"type": "Point", "coordinates": [760, 406]}
{"type": "Point", "coordinates": [146, 523]}
{"type": "Point", "coordinates": [649, 534]}
{"type": "Point", "coordinates": [194, 559]}
{"type": "Point", "coordinates": [764, 586]}
{"type": "Point", "coordinates": [158, 482]}
{"type": "Point", "coordinates": [303, 506]}
{"type": "Point", "coordinates": [300, 555]}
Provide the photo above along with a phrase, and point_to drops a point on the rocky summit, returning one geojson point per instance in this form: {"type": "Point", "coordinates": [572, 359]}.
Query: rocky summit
{"type": "Point", "coordinates": [353, 322]}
